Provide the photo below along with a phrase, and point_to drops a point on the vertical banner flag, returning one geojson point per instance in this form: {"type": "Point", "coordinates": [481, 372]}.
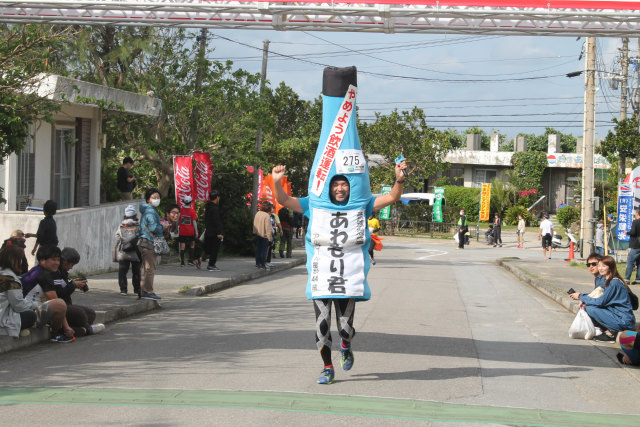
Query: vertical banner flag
{"type": "Point", "coordinates": [625, 211]}
{"type": "Point", "coordinates": [485, 202]}
{"type": "Point", "coordinates": [202, 176]}
{"type": "Point", "coordinates": [384, 212]}
{"type": "Point", "coordinates": [634, 182]}
{"type": "Point", "coordinates": [260, 179]}
{"type": "Point", "coordinates": [437, 204]}
{"type": "Point", "coordinates": [182, 177]}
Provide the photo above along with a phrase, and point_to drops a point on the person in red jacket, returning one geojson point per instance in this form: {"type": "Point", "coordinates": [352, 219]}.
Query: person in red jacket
{"type": "Point", "coordinates": [187, 231]}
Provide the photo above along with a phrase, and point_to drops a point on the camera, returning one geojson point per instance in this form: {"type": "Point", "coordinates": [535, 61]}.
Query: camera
{"type": "Point", "coordinates": [85, 288]}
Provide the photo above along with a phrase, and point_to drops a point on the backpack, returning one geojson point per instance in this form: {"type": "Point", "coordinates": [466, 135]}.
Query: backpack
{"type": "Point", "coordinates": [129, 235]}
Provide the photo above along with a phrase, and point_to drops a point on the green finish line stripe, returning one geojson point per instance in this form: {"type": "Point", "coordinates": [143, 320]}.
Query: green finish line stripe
{"type": "Point", "coordinates": [377, 407]}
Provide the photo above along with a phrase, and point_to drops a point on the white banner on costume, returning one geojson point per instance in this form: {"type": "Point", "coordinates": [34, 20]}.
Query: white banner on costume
{"type": "Point", "coordinates": [337, 267]}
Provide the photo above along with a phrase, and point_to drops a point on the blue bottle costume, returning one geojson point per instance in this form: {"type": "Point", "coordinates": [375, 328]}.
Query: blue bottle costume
{"type": "Point", "coordinates": [337, 238]}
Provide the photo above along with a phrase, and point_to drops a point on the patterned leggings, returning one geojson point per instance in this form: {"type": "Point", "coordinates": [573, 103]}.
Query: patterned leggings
{"type": "Point", "coordinates": [345, 309]}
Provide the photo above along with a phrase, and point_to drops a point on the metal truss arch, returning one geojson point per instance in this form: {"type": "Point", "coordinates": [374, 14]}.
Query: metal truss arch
{"type": "Point", "coordinates": [602, 18]}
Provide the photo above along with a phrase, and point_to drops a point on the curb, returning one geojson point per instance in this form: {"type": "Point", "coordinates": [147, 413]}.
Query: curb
{"type": "Point", "coordinates": [553, 292]}
{"type": "Point", "coordinates": [228, 283]}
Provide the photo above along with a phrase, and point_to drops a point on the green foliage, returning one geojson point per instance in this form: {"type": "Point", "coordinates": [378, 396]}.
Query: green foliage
{"type": "Point", "coordinates": [568, 215]}
{"type": "Point", "coordinates": [405, 133]}
{"type": "Point", "coordinates": [461, 198]}
{"type": "Point", "coordinates": [503, 195]}
{"type": "Point", "coordinates": [541, 142]}
{"type": "Point", "coordinates": [623, 141]}
{"type": "Point", "coordinates": [528, 169]}
{"type": "Point", "coordinates": [442, 181]}
{"type": "Point", "coordinates": [511, 215]}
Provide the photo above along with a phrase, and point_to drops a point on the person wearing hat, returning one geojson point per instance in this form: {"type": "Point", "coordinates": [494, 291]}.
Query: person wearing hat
{"type": "Point", "coordinates": [545, 233]}
{"type": "Point", "coordinates": [126, 251]}
{"type": "Point", "coordinates": [47, 233]}
{"type": "Point", "coordinates": [187, 231]}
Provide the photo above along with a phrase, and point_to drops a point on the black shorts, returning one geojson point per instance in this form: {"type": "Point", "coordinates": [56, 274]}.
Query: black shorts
{"type": "Point", "coordinates": [186, 239]}
{"type": "Point", "coordinates": [546, 241]}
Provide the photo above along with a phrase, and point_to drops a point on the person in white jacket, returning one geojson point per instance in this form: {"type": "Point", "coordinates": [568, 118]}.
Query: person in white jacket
{"type": "Point", "coordinates": [17, 315]}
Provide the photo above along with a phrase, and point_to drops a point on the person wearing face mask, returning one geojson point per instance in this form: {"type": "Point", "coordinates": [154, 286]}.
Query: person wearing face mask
{"type": "Point", "coordinates": [150, 227]}
{"type": "Point", "coordinates": [462, 229]}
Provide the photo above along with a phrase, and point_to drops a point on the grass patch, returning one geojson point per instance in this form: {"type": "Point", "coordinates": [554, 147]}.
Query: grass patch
{"type": "Point", "coordinates": [184, 289]}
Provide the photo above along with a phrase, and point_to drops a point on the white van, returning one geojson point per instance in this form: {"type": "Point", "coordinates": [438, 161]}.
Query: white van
{"type": "Point", "coordinates": [419, 198]}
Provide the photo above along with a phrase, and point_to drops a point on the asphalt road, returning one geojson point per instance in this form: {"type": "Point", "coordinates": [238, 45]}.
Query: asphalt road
{"type": "Point", "coordinates": [448, 338]}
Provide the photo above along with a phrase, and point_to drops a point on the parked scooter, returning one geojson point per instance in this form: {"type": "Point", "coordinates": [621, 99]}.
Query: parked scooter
{"type": "Point", "coordinates": [558, 243]}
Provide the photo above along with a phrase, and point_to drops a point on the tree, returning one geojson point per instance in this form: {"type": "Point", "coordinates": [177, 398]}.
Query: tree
{"type": "Point", "coordinates": [541, 142]}
{"type": "Point", "coordinates": [528, 169]}
{"type": "Point", "coordinates": [405, 133]}
{"type": "Point", "coordinates": [25, 51]}
{"type": "Point", "coordinates": [623, 141]}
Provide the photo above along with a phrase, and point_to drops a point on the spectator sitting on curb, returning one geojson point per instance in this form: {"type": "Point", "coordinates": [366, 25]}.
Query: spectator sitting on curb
{"type": "Point", "coordinates": [79, 317]}
{"type": "Point", "coordinates": [612, 311]}
{"type": "Point", "coordinates": [38, 285]}
{"type": "Point", "coordinates": [18, 238]}
{"type": "Point", "coordinates": [630, 346]}
{"type": "Point", "coordinates": [17, 315]}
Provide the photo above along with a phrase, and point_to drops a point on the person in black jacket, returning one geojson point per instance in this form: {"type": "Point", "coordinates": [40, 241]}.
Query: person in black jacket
{"type": "Point", "coordinates": [634, 245]}
{"type": "Point", "coordinates": [126, 182]}
{"type": "Point", "coordinates": [47, 233]}
{"type": "Point", "coordinates": [213, 229]}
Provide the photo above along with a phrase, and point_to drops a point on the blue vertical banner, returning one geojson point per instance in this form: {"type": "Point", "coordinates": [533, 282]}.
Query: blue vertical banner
{"type": "Point", "coordinates": [625, 211]}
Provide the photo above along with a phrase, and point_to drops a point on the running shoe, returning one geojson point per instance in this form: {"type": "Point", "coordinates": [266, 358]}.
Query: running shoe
{"type": "Point", "coordinates": [152, 295]}
{"type": "Point", "coordinates": [190, 263]}
{"type": "Point", "coordinates": [214, 268]}
{"type": "Point", "coordinates": [62, 339]}
{"type": "Point", "coordinates": [328, 376]}
{"type": "Point", "coordinates": [197, 263]}
{"type": "Point", "coordinates": [346, 360]}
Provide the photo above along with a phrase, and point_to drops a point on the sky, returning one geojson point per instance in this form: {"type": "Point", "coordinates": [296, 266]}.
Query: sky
{"type": "Point", "coordinates": [508, 84]}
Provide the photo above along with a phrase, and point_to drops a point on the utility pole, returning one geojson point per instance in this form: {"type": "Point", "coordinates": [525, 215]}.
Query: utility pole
{"type": "Point", "coordinates": [256, 168]}
{"type": "Point", "coordinates": [195, 110]}
{"type": "Point", "coordinates": [624, 62]}
{"type": "Point", "coordinates": [586, 217]}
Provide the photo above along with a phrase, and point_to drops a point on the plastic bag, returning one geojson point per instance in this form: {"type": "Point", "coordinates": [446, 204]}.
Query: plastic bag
{"type": "Point", "coordinates": [582, 326]}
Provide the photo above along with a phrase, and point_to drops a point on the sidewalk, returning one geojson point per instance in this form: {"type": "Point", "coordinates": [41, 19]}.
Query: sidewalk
{"type": "Point", "coordinates": [171, 282]}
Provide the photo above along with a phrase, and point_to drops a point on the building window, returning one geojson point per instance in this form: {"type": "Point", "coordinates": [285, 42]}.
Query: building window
{"type": "Point", "coordinates": [483, 176]}
{"type": "Point", "coordinates": [573, 188]}
{"type": "Point", "coordinates": [63, 167]}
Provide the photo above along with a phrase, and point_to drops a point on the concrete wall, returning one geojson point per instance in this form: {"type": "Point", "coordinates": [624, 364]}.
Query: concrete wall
{"type": "Point", "coordinates": [91, 231]}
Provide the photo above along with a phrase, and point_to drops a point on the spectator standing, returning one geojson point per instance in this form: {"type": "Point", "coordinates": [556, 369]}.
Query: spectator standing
{"type": "Point", "coordinates": [187, 231]}
{"type": "Point", "coordinates": [264, 236]}
{"type": "Point", "coordinates": [520, 231]}
{"type": "Point", "coordinates": [545, 234]}
{"type": "Point", "coordinates": [497, 230]}
{"type": "Point", "coordinates": [562, 205]}
{"type": "Point", "coordinates": [297, 223]}
{"type": "Point", "coordinates": [170, 221]}
{"type": "Point", "coordinates": [287, 232]}
{"type": "Point", "coordinates": [150, 227]}
{"type": "Point", "coordinates": [127, 253]}
{"type": "Point", "coordinates": [79, 317]}
{"type": "Point", "coordinates": [277, 234]}
{"type": "Point", "coordinates": [599, 239]}
{"type": "Point", "coordinates": [374, 227]}
{"type": "Point", "coordinates": [126, 182]}
{"type": "Point", "coordinates": [213, 232]}
{"type": "Point", "coordinates": [47, 233]}
{"type": "Point", "coordinates": [462, 229]}
{"type": "Point", "coordinates": [17, 314]}
{"type": "Point", "coordinates": [634, 246]}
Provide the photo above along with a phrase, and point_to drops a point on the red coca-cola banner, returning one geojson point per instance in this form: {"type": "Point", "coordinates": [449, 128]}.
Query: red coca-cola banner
{"type": "Point", "coordinates": [202, 176]}
{"type": "Point", "coordinates": [182, 176]}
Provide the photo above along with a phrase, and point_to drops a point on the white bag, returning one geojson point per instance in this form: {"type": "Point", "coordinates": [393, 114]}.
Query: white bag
{"type": "Point", "coordinates": [582, 326]}
{"type": "Point", "coordinates": [456, 238]}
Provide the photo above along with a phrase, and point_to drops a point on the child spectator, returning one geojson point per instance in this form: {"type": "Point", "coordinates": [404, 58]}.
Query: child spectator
{"type": "Point", "coordinates": [47, 233]}
{"type": "Point", "coordinates": [187, 231]}
{"type": "Point", "coordinates": [126, 250]}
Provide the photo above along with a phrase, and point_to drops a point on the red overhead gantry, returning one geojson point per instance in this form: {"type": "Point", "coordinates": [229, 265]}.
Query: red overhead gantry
{"type": "Point", "coordinates": [528, 17]}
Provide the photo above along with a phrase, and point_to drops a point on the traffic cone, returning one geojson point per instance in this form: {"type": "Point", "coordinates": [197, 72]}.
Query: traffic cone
{"type": "Point", "coordinates": [571, 255]}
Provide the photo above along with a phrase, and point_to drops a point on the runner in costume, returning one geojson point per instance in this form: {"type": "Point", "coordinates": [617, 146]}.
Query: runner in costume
{"type": "Point", "coordinates": [338, 205]}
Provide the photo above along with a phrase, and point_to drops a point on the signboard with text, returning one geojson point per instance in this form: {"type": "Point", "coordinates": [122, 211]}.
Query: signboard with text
{"type": "Point", "coordinates": [384, 212]}
{"type": "Point", "coordinates": [485, 202]}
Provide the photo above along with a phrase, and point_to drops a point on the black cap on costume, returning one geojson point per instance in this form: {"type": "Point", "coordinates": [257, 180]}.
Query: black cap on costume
{"type": "Point", "coordinates": [336, 81]}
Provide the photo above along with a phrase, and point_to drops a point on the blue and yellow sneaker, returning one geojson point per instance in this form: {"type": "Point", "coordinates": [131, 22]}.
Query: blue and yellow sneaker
{"type": "Point", "coordinates": [346, 361]}
{"type": "Point", "coordinates": [328, 376]}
